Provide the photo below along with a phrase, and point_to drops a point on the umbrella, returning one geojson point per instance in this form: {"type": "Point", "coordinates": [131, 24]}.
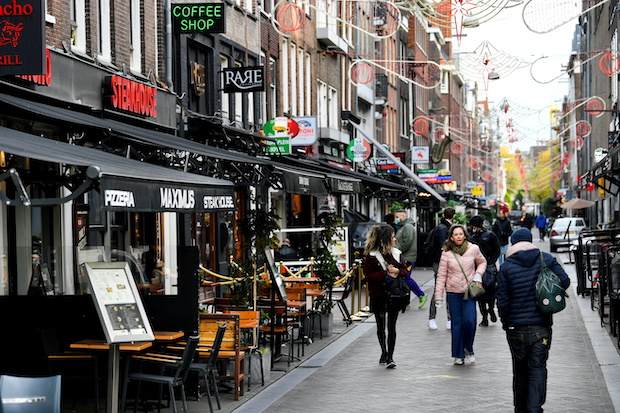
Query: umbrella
{"type": "Point", "coordinates": [577, 203]}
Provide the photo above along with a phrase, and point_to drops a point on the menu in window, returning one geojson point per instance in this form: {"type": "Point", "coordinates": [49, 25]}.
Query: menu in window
{"type": "Point", "coordinates": [118, 303]}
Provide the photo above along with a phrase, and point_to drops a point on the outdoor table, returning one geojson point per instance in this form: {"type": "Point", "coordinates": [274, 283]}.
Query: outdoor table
{"type": "Point", "coordinates": [167, 335]}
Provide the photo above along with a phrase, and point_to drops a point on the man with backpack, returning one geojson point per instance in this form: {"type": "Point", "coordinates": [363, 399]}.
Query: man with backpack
{"type": "Point", "coordinates": [434, 246]}
{"type": "Point", "coordinates": [407, 243]}
{"type": "Point", "coordinates": [528, 330]}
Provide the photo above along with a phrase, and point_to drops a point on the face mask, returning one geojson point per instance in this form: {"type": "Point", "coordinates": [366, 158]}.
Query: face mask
{"type": "Point", "coordinates": [397, 220]}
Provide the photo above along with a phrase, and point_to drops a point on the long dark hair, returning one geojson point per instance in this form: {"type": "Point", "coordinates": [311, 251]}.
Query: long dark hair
{"type": "Point", "coordinates": [379, 239]}
{"type": "Point", "coordinates": [449, 243]}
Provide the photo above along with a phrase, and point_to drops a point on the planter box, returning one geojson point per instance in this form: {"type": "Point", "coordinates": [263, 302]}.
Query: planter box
{"type": "Point", "coordinates": [255, 377]}
{"type": "Point", "coordinates": [326, 325]}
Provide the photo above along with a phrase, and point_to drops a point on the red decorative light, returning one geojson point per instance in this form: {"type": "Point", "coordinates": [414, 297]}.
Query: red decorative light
{"type": "Point", "coordinates": [487, 176]}
{"type": "Point", "coordinates": [584, 128]}
{"type": "Point", "coordinates": [609, 64]}
{"type": "Point", "coordinates": [594, 106]}
{"type": "Point", "coordinates": [363, 73]}
{"type": "Point", "coordinates": [577, 143]}
{"type": "Point", "coordinates": [475, 165]}
{"type": "Point", "coordinates": [457, 147]}
{"type": "Point", "coordinates": [440, 135]}
{"type": "Point", "coordinates": [420, 126]}
{"type": "Point", "coordinates": [290, 17]}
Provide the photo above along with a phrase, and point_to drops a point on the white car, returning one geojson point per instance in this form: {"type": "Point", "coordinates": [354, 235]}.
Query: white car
{"type": "Point", "coordinates": [564, 231]}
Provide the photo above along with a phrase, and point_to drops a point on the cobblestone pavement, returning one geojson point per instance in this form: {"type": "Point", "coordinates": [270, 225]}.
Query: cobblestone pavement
{"type": "Point", "coordinates": [342, 373]}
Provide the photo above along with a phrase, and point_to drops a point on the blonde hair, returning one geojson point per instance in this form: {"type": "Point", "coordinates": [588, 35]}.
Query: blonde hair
{"type": "Point", "coordinates": [379, 239]}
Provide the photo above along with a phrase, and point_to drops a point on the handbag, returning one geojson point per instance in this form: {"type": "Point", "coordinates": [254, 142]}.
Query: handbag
{"type": "Point", "coordinates": [550, 294]}
{"type": "Point", "coordinates": [473, 290]}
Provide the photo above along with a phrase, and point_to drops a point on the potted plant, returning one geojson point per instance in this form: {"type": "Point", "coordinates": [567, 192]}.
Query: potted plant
{"type": "Point", "coordinates": [257, 230]}
{"type": "Point", "coordinates": [326, 269]}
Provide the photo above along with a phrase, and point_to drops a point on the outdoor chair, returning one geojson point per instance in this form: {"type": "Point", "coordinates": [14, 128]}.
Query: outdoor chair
{"type": "Point", "coordinates": [30, 394]}
{"type": "Point", "coordinates": [173, 381]}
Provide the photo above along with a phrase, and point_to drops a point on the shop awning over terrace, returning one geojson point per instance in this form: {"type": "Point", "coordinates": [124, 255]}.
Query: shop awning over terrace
{"type": "Point", "coordinates": [124, 184]}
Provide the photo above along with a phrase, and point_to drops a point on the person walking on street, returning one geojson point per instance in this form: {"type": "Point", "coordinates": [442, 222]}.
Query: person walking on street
{"type": "Point", "coordinates": [503, 230]}
{"type": "Point", "coordinates": [528, 331]}
{"type": "Point", "coordinates": [541, 224]}
{"type": "Point", "coordinates": [383, 261]}
{"type": "Point", "coordinates": [461, 263]}
{"type": "Point", "coordinates": [489, 245]}
{"type": "Point", "coordinates": [434, 249]}
{"type": "Point", "coordinates": [407, 242]}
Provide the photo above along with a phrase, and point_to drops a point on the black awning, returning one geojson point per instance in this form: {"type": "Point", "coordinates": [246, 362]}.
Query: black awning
{"type": "Point", "coordinates": [608, 168]}
{"type": "Point", "coordinates": [126, 184]}
{"type": "Point", "coordinates": [304, 182]}
{"type": "Point", "coordinates": [161, 139]}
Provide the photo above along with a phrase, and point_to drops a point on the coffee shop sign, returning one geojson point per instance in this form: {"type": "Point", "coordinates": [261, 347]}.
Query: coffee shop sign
{"type": "Point", "coordinates": [198, 18]}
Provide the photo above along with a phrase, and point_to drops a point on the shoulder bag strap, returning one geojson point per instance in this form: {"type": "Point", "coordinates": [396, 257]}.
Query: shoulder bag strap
{"type": "Point", "coordinates": [381, 260]}
{"type": "Point", "coordinates": [542, 261]}
{"type": "Point", "coordinates": [463, 272]}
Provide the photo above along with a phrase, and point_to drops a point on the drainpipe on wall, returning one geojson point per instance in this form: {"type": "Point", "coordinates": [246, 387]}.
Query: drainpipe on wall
{"type": "Point", "coordinates": [168, 20]}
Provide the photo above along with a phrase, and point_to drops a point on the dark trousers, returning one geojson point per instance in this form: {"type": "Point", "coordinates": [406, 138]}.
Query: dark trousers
{"type": "Point", "coordinates": [385, 316]}
{"type": "Point", "coordinates": [542, 232]}
{"type": "Point", "coordinates": [529, 346]}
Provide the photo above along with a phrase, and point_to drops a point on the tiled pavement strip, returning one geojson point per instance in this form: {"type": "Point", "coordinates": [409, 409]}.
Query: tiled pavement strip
{"type": "Point", "coordinates": [342, 374]}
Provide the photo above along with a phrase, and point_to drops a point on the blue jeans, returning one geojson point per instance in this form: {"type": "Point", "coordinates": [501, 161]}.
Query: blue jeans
{"type": "Point", "coordinates": [502, 256]}
{"type": "Point", "coordinates": [529, 346]}
{"type": "Point", "coordinates": [463, 314]}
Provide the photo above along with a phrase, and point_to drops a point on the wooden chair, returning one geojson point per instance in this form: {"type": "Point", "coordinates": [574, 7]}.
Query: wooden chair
{"type": "Point", "coordinates": [297, 314]}
{"type": "Point", "coordinates": [249, 322]}
{"type": "Point", "coordinates": [230, 351]}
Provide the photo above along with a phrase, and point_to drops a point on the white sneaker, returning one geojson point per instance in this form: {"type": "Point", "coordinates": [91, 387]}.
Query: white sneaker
{"type": "Point", "coordinates": [470, 358]}
{"type": "Point", "coordinates": [458, 362]}
{"type": "Point", "coordinates": [432, 324]}
{"type": "Point", "coordinates": [448, 325]}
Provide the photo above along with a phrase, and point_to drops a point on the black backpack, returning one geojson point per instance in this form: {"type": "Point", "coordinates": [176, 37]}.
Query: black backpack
{"type": "Point", "coordinates": [431, 241]}
{"type": "Point", "coordinates": [398, 293]}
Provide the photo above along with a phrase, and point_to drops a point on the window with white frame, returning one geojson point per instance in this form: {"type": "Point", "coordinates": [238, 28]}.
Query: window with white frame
{"type": "Point", "coordinates": [292, 81]}
{"type": "Point", "coordinates": [105, 47]}
{"type": "Point", "coordinates": [272, 89]}
{"type": "Point", "coordinates": [238, 105]}
{"type": "Point", "coordinates": [135, 55]}
{"type": "Point", "coordinates": [225, 108]}
{"type": "Point", "coordinates": [322, 105]}
{"type": "Point", "coordinates": [78, 26]}
{"type": "Point", "coordinates": [445, 81]}
{"type": "Point", "coordinates": [308, 85]}
{"type": "Point", "coordinates": [300, 83]}
{"type": "Point", "coordinates": [333, 106]}
{"type": "Point", "coordinates": [286, 104]}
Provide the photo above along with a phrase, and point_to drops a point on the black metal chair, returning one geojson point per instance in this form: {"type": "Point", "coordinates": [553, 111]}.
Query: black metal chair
{"type": "Point", "coordinates": [177, 379]}
{"type": "Point", "coordinates": [30, 394]}
{"type": "Point", "coordinates": [208, 369]}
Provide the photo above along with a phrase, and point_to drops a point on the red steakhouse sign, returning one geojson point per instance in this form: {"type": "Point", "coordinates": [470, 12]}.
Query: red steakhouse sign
{"type": "Point", "coordinates": [131, 96]}
{"type": "Point", "coordinates": [22, 37]}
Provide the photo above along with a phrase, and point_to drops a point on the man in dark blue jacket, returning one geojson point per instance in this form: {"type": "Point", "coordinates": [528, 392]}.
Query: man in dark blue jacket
{"type": "Point", "coordinates": [528, 330]}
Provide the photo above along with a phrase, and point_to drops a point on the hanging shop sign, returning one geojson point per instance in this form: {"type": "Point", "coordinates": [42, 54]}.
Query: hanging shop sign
{"type": "Point", "coordinates": [130, 96]}
{"type": "Point", "coordinates": [385, 165]}
{"type": "Point", "coordinates": [358, 150]}
{"type": "Point", "coordinates": [44, 79]}
{"type": "Point", "coordinates": [420, 154]}
{"type": "Point", "coordinates": [307, 131]}
{"type": "Point", "coordinates": [243, 79]}
{"type": "Point", "coordinates": [281, 129]}
{"type": "Point", "coordinates": [435, 176]}
{"type": "Point", "coordinates": [278, 146]}
{"type": "Point", "coordinates": [22, 37]}
{"type": "Point", "coordinates": [198, 18]}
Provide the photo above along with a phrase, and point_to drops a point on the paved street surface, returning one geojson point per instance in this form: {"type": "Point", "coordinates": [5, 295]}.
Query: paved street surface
{"type": "Point", "coordinates": [342, 373]}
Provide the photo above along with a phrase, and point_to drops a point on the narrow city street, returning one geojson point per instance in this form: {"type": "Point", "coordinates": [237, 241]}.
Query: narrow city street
{"type": "Point", "coordinates": [584, 369]}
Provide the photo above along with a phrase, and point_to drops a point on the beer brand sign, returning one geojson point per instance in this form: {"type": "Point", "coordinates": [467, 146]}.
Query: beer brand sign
{"type": "Point", "coordinates": [22, 37]}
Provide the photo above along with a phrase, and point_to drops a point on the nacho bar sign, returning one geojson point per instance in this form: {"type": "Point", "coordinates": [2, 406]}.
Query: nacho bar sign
{"type": "Point", "coordinates": [22, 37]}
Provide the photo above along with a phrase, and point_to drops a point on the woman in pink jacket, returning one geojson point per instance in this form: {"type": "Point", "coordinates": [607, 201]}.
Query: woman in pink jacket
{"type": "Point", "coordinates": [452, 277]}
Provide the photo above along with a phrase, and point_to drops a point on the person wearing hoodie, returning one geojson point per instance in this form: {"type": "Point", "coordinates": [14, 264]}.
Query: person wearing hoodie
{"type": "Point", "coordinates": [383, 261]}
{"type": "Point", "coordinates": [461, 263]}
{"type": "Point", "coordinates": [407, 242]}
{"type": "Point", "coordinates": [528, 331]}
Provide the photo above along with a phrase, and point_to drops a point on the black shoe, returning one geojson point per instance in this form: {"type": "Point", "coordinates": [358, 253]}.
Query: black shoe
{"type": "Point", "coordinates": [493, 317]}
{"type": "Point", "coordinates": [391, 364]}
{"type": "Point", "coordinates": [383, 358]}
{"type": "Point", "coordinates": [484, 323]}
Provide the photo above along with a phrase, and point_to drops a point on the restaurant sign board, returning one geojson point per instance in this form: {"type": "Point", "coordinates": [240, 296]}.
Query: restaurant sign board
{"type": "Point", "coordinates": [22, 37]}
{"type": "Point", "coordinates": [131, 96]}
{"type": "Point", "coordinates": [188, 18]}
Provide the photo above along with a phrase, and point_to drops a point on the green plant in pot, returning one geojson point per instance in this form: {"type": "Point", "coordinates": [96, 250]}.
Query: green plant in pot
{"type": "Point", "coordinates": [257, 231]}
{"type": "Point", "coordinates": [325, 265]}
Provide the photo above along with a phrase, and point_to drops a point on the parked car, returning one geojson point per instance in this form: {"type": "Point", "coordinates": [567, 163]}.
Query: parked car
{"type": "Point", "coordinates": [564, 231]}
{"type": "Point", "coordinates": [515, 218]}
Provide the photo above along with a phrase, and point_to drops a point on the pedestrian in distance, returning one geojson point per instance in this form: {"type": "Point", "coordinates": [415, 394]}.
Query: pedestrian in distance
{"type": "Point", "coordinates": [434, 247]}
{"type": "Point", "coordinates": [461, 263]}
{"type": "Point", "coordinates": [407, 242]}
{"type": "Point", "coordinates": [489, 245]}
{"type": "Point", "coordinates": [390, 219]}
{"type": "Point", "coordinates": [541, 224]}
{"type": "Point", "coordinates": [383, 261]}
{"type": "Point", "coordinates": [503, 229]}
{"type": "Point", "coordinates": [528, 331]}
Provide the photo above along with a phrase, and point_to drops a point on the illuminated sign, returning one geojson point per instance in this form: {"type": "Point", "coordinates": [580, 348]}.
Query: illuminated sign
{"type": "Point", "coordinates": [22, 37]}
{"type": "Point", "coordinates": [198, 18]}
{"type": "Point", "coordinates": [131, 96]}
{"type": "Point", "coordinates": [434, 176]}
